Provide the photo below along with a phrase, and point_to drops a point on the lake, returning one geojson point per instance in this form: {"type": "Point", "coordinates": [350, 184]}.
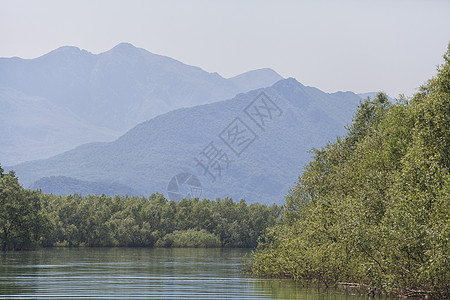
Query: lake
{"type": "Point", "coordinates": [124, 273]}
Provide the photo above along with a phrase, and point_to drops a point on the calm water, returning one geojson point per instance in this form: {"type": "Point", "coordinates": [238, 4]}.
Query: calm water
{"type": "Point", "coordinates": [125, 273]}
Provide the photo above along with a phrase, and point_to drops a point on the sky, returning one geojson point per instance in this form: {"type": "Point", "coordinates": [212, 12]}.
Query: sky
{"type": "Point", "coordinates": [361, 46]}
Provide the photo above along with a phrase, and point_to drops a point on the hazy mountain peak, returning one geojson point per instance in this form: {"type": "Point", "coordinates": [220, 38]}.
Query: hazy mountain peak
{"type": "Point", "coordinates": [255, 79]}
{"type": "Point", "coordinates": [65, 51]}
{"type": "Point", "coordinates": [288, 83]}
{"type": "Point", "coordinates": [260, 72]}
{"type": "Point", "coordinates": [292, 80]}
{"type": "Point", "coordinates": [109, 92]}
{"type": "Point", "coordinates": [124, 47]}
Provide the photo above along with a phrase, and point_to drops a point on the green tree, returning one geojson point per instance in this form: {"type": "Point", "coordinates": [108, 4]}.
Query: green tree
{"type": "Point", "coordinates": [374, 206]}
{"type": "Point", "coordinates": [22, 219]}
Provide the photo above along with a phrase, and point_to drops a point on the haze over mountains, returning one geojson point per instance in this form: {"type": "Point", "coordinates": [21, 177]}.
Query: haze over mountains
{"type": "Point", "coordinates": [296, 119]}
{"type": "Point", "coordinates": [69, 96]}
{"type": "Point", "coordinates": [142, 119]}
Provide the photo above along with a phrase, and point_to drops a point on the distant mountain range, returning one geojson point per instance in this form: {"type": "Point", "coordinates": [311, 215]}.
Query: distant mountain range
{"type": "Point", "coordinates": [252, 146]}
{"type": "Point", "coordinates": [62, 185]}
{"type": "Point", "coordinates": [69, 96]}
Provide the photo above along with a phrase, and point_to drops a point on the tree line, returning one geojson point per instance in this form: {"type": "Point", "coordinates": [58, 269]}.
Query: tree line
{"type": "Point", "coordinates": [30, 219]}
{"type": "Point", "coordinates": [373, 207]}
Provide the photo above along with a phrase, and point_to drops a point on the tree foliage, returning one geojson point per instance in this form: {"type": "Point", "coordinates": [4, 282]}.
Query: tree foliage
{"type": "Point", "coordinates": [31, 218]}
{"type": "Point", "coordinates": [190, 238]}
{"type": "Point", "coordinates": [143, 222]}
{"type": "Point", "coordinates": [22, 221]}
{"type": "Point", "coordinates": [374, 206]}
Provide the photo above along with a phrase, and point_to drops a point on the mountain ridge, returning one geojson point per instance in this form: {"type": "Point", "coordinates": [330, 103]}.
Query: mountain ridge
{"type": "Point", "coordinates": [150, 154]}
{"type": "Point", "coordinates": [110, 92]}
{"type": "Point", "coordinates": [62, 185]}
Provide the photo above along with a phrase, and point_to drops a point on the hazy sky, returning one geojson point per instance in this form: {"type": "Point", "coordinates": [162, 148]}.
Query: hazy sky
{"type": "Point", "coordinates": [359, 45]}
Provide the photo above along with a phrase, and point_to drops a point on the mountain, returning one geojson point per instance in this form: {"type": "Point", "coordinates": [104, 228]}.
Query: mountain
{"type": "Point", "coordinates": [32, 127]}
{"type": "Point", "coordinates": [101, 95]}
{"type": "Point", "coordinates": [257, 144]}
{"type": "Point", "coordinates": [256, 79]}
{"type": "Point", "coordinates": [61, 185]}
{"type": "Point", "coordinates": [372, 95]}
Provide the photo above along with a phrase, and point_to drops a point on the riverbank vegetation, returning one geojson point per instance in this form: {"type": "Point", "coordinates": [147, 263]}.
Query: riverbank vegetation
{"type": "Point", "coordinates": [373, 208]}
{"type": "Point", "coordinates": [30, 219]}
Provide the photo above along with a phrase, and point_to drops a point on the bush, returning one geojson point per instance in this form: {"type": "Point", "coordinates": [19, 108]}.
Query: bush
{"type": "Point", "coordinates": [190, 238]}
{"type": "Point", "coordinates": [373, 207]}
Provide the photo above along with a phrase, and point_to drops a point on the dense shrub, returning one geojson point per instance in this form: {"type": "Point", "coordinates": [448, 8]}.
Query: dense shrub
{"type": "Point", "coordinates": [190, 238]}
{"type": "Point", "coordinates": [374, 207]}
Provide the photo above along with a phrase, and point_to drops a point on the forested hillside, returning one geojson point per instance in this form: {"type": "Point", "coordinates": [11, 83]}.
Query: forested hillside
{"type": "Point", "coordinates": [374, 207]}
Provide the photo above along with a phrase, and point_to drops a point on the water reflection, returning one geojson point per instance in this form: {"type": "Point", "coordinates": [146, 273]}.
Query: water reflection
{"type": "Point", "coordinates": [124, 273]}
{"type": "Point", "coordinates": [288, 289]}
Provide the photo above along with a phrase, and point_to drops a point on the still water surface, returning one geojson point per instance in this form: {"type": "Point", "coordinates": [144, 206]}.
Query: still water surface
{"type": "Point", "coordinates": [141, 273]}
